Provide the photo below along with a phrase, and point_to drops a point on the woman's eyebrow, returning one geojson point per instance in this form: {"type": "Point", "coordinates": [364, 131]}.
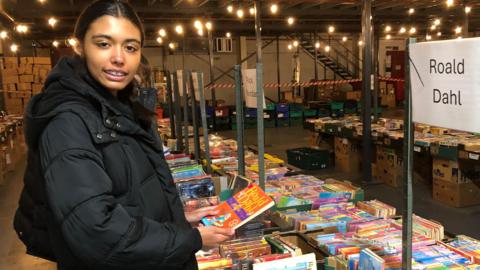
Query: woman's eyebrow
{"type": "Point", "coordinates": [111, 38]}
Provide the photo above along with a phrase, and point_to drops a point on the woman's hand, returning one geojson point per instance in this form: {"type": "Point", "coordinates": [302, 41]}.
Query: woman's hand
{"type": "Point", "coordinates": [196, 215]}
{"type": "Point", "coordinates": [212, 235]}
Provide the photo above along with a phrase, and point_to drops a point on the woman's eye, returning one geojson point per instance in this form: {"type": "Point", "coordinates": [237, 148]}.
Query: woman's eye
{"type": "Point", "coordinates": [131, 48]}
{"type": "Point", "coordinates": [102, 44]}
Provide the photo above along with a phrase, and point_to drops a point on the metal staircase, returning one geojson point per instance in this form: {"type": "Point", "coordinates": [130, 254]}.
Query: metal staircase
{"type": "Point", "coordinates": [339, 59]}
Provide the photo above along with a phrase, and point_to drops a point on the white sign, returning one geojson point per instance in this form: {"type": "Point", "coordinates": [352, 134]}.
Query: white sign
{"type": "Point", "coordinates": [249, 79]}
{"type": "Point", "coordinates": [180, 82]}
{"type": "Point", "coordinates": [196, 84]}
{"type": "Point", "coordinates": [445, 79]}
{"type": "Point", "coordinates": [304, 262]}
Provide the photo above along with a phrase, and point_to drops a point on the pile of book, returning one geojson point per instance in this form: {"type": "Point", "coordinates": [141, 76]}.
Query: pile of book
{"type": "Point", "coordinates": [467, 246]}
{"type": "Point", "coordinates": [429, 228]}
{"type": "Point", "coordinates": [377, 208]}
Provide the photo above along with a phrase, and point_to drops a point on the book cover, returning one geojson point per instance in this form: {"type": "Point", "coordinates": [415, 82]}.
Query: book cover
{"type": "Point", "coordinates": [370, 261]}
{"type": "Point", "coordinates": [304, 262]}
{"type": "Point", "coordinates": [239, 209]}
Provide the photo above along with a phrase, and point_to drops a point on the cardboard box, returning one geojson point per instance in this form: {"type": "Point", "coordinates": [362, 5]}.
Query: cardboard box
{"type": "Point", "coordinates": [10, 87]}
{"type": "Point", "coordinates": [26, 78]}
{"type": "Point", "coordinates": [24, 87]}
{"type": "Point", "coordinates": [456, 194]}
{"type": "Point", "coordinates": [349, 163]}
{"type": "Point", "coordinates": [26, 61]}
{"type": "Point", "coordinates": [345, 146]}
{"type": "Point", "coordinates": [10, 79]}
{"type": "Point", "coordinates": [42, 60]}
{"type": "Point", "coordinates": [10, 61]}
{"type": "Point", "coordinates": [389, 167]}
{"type": "Point", "coordinates": [37, 88]}
{"type": "Point", "coordinates": [348, 95]}
{"type": "Point", "coordinates": [389, 101]}
{"type": "Point", "coordinates": [448, 170]}
{"type": "Point", "coordinates": [25, 70]}
{"type": "Point", "coordinates": [9, 72]}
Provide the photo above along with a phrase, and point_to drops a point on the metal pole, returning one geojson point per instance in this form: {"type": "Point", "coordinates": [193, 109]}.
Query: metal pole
{"type": "Point", "coordinates": [183, 53]}
{"type": "Point", "coordinates": [196, 139]}
{"type": "Point", "coordinates": [171, 112]}
{"type": "Point", "coordinates": [204, 122]}
{"type": "Point", "coordinates": [212, 76]}
{"type": "Point", "coordinates": [315, 65]}
{"type": "Point", "coordinates": [375, 49]}
{"type": "Point", "coordinates": [407, 167]}
{"type": "Point", "coordinates": [260, 97]}
{"type": "Point", "coordinates": [367, 99]}
{"type": "Point", "coordinates": [185, 112]}
{"type": "Point", "coordinates": [465, 20]}
{"type": "Point", "coordinates": [240, 128]}
{"type": "Point", "coordinates": [278, 69]}
{"type": "Point", "coordinates": [178, 113]}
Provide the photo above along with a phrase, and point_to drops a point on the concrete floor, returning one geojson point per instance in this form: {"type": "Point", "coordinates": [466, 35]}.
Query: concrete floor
{"type": "Point", "coordinates": [456, 220]}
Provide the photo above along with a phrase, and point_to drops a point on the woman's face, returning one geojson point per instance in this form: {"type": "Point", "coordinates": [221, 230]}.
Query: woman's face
{"type": "Point", "coordinates": [112, 50]}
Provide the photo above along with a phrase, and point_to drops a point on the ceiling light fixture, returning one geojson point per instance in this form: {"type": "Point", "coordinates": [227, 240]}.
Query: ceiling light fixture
{"type": "Point", "coordinates": [290, 20]}
{"type": "Point", "coordinates": [179, 29]}
{"type": "Point", "coordinates": [274, 8]}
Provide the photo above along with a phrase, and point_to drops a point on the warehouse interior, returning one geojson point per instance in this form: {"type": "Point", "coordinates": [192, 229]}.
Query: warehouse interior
{"type": "Point", "coordinates": [329, 73]}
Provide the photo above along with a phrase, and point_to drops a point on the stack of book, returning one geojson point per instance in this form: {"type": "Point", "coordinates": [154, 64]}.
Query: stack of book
{"type": "Point", "coordinates": [377, 208]}
{"type": "Point", "coordinates": [467, 246]}
{"type": "Point", "coordinates": [431, 229]}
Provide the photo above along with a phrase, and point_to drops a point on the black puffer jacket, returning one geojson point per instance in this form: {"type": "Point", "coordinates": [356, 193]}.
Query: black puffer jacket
{"type": "Point", "coordinates": [98, 183]}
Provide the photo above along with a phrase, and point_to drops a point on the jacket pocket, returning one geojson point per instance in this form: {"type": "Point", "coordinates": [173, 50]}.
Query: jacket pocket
{"type": "Point", "coordinates": [154, 200]}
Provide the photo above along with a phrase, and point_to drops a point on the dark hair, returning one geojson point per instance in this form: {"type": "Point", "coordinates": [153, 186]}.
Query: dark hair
{"type": "Point", "coordinates": [99, 8]}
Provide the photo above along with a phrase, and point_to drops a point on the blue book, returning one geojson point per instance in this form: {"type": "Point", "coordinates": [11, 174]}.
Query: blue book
{"type": "Point", "coordinates": [370, 261]}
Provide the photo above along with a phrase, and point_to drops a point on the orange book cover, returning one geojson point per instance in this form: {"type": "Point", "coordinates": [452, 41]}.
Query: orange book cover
{"type": "Point", "coordinates": [239, 209]}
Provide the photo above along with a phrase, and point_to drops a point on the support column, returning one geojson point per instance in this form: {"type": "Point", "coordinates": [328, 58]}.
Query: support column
{"type": "Point", "coordinates": [212, 75]}
{"type": "Point", "coordinates": [375, 57]}
{"type": "Point", "coordinates": [260, 95]}
{"type": "Point", "coordinates": [315, 65]}
{"type": "Point", "coordinates": [278, 69]}
{"type": "Point", "coordinates": [366, 97]}
{"type": "Point", "coordinates": [465, 20]}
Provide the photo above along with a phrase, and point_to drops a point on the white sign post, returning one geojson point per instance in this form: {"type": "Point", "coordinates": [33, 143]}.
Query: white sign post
{"type": "Point", "coordinates": [445, 80]}
{"type": "Point", "coordinates": [249, 80]}
{"type": "Point", "coordinates": [196, 86]}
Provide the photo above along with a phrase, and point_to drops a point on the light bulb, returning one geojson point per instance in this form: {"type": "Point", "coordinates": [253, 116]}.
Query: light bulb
{"type": "Point", "coordinates": [433, 27]}
{"type": "Point", "coordinates": [413, 30]}
{"type": "Point", "coordinates": [317, 45]}
{"type": "Point", "coordinates": [439, 34]}
{"type": "Point", "coordinates": [171, 45]}
{"type": "Point", "coordinates": [403, 30]}
{"type": "Point", "coordinates": [437, 22]}
{"type": "Point", "coordinates": [331, 29]}
{"type": "Point", "coordinates": [295, 43]}
{"type": "Point", "coordinates": [388, 28]}
{"type": "Point", "coordinates": [160, 40]}
{"type": "Point", "coordinates": [208, 25]}
{"type": "Point", "coordinates": [252, 11]}
{"type": "Point", "coordinates": [240, 13]}
{"type": "Point", "coordinates": [327, 48]}
{"type": "Point", "coordinates": [230, 8]}
{"type": "Point", "coordinates": [198, 24]}
{"type": "Point", "coordinates": [344, 39]}
{"type": "Point", "coordinates": [72, 42]}
{"type": "Point", "coordinates": [3, 34]}
{"type": "Point", "coordinates": [52, 21]}
{"type": "Point", "coordinates": [200, 32]}
{"type": "Point", "coordinates": [468, 9]}
{"type": "Point", "coordinates": [162, 32]}
{"type": "Point", "coordinates": [458, 30]}
{"type": "Point", "coordinates": [388, 36]}
{"type": "Point", "coordinates": [274, 8]}
{"type": "Point", "coordinates": [55, 43]}
{"type": "Point", "coordinates": [179, 29]}
{"type": "Point", "coordinates": [411, 11]}
{"type": "Point", "coordinates": [289, 46]}
{"type": "Point", "coordinates": [428, 37]}
{"type": "Point", "coordinates": [290, 20]}
{"type": "Point", "coordinates": [360, 43]}
{"type": "Point", "coordinates": [449, 3]}
{"type": "Point", "coordinates": [228, 35]}
{"type": "Point", "coordinates": [14, 47]}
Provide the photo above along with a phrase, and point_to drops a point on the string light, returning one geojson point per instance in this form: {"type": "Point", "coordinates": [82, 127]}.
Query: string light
{"type": "Point", "coordinates": [403, 30]}
{"type": "Point", "coordinates": [162, 32]}
{"type": "Point", "coordinates": [240, 13]}
{"type": "Point", "coordinates": [42, 1]}
{"type": "Point", "coordinates": [449, 3]}
{"type": "Point", "coordinates": [388, 28]}
{"type": "Point", "coordinates": [468, 9]}
{"type": "Point", "coordinates": [200, 32]}
{"type": "Point", "coordinates": [439, 34]}
{"type": "Point", "coordinates": [14, 47]}
{"type": "Point", "coordinates": [317, 45]}
{"type": "Point", "coordinates": [388, 36]}
{"type": "Point", "coordinates": [72, 42]}
{"type": "Point", "coordinates": [360, 43]}
{"type": "Point", "coordinates": [428, 37]}
{"type": "Point", "coordinates": [458, 30]}
{"type": "Point", "coordinates": [433, 27]}
{"type": "Point", "coordinates": [159, 40]}
{"type": "Point", "coordinates": [344, 39]}
{"type": "Point", "coordinates": [228, 35]}
{"type": "Point", "coordinates": [55, 43]}
{"type": "Point", "coordinates": [3, 34]}
{"type": "Point", "coordinates": [290, 20]}
{"type": "Point", "coordinates": [252, 11]}
{"type": "Point", "coordinates": [331, 29]}
{"type": "Point", "coordinates": [208, 25]}
{"type": "Point", "coordinates": [274, 8]}
{"type": "Point", "coordinates": [230, 9]}
{"type": "Point", "coordinates": [327, 48]}
{"type": "Point", "coordinates": [289, 47]}
{"type": "Point", "coordinates": [22, 28]}
{"type": "Point", "coordinates": [52, 21]}
{"type": "Point", "coordinates": [413, 30]}
{"type": "Point", "coordinates": [179, 29]}
{"type": "Point", "coordinates": [198, 24]}
{"type": "Point", "coordinates": [295, 43]}
{"type": "Point", "coordinates": [411, 11]}
{"type": "Point", "coordinates": [171, 45]}
{"type": "Point", "coordinates": [437, 22]}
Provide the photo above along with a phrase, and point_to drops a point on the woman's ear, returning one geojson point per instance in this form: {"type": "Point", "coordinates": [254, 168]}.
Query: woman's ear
{"type": "Point", "coordinates": [78, 48]}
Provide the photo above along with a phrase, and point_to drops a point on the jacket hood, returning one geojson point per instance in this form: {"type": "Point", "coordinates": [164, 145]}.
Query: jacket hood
{"type": "Point", "coordinates": [68, 87]}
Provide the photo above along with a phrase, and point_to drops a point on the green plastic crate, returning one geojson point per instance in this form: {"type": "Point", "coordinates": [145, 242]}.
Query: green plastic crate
{"type": "Point", "coordinates": [336, 105]}
{"type": "Point", "coordinates": [296, 121]}
{"type": "Point", "coordinates": [296, 114]}
{"type": "Point", "coordinates": [296, 107]}
{"type": "Point", "coordinates": [269, 123]}
{"type": "Point", "coordinates": [284, 122]}
{"type": "Point", "coordinates": [309, 113]}
{"type": "Point", "coordinates": [270, 106]}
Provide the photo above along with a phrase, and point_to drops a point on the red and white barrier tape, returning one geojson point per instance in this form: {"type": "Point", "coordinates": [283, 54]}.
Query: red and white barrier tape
{"type": "Point", "coordinates": [289, 84]}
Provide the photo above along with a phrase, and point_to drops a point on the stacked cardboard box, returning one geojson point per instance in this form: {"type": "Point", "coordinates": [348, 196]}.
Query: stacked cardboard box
{"type": "Point", "coordinates": [451, 186]}
{"type": "Point", "coordinates": [387, 95]}
{"type": "Point", "coordinates": [347, 155]}
{"type": "Point", "coordinates": [389, 166]}
{"type": "Point", "coordinates": [23, 77]}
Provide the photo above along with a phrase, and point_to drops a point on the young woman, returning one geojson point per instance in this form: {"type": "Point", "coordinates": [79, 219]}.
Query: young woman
{"type": "Point", "coordinates": [98, 193]}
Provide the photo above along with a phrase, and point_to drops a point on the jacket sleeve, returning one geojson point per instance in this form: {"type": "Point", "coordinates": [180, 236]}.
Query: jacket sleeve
{"type": "Point", "coordinates": [98, 230]}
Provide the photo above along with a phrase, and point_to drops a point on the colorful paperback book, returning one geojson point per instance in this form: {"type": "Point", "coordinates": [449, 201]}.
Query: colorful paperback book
{"type": "Point", "coordinates": [239, 209]}
{"type": "Point", "coordinates": [304, 262]}
{"type": "Point", "coordinates": [196, 188]}
{"type": "Point", "coordinates": [368, 260]}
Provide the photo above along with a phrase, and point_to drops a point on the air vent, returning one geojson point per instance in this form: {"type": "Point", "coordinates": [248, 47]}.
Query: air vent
{"type": "Point", "coordinates": [223, 45]}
